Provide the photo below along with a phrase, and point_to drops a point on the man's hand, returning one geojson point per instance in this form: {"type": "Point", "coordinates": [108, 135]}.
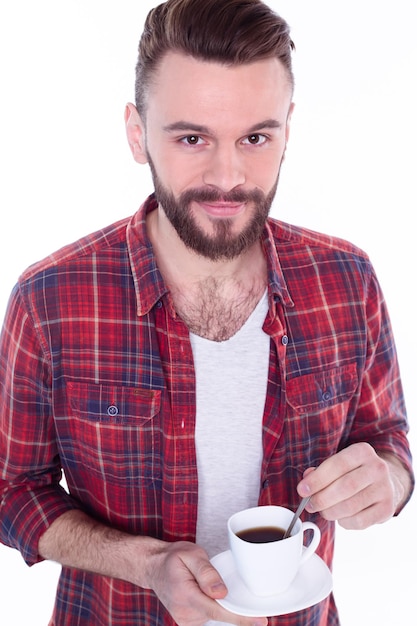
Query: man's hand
{"type": "Point", "coordinates": [180, 573]}
{"type": "Point", "coordinates": [357, 487]}
{"type": "Point", "coordinates": [187, 584]}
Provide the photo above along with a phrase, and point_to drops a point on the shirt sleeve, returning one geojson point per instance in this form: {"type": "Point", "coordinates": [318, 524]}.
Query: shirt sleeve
{"type": "Point", "coordinates": [380, 417]}
{"type": "Point", "coordinates": [31, 496]}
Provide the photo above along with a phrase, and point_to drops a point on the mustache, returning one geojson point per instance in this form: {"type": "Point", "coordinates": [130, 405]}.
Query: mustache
{"type": "Point", "coordinates": [205, 194]}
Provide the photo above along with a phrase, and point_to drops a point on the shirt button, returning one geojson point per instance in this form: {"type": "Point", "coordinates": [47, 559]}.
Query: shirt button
{"type": "Point", "coordinates": [326, 396]}
{"type": "Point", "coordinates": [159, 304]}
{"type": "Point", "coordinates": [284, 340]}
{"type": "Point", "coordinates": [112, 410]}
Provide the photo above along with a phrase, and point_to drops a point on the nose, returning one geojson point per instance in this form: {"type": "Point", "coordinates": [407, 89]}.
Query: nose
{"type": "Point", "coordinates": [225, 169]}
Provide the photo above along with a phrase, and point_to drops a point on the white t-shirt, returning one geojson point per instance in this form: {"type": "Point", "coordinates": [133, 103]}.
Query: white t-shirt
{"type": "Point", "coordinates": [231, 381]}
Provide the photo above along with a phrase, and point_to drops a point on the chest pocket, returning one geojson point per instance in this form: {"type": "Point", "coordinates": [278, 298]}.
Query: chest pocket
{"type": "Point", "coordinates": [319, 410]}
{"type": "Point", "coordinates": [115, 432]}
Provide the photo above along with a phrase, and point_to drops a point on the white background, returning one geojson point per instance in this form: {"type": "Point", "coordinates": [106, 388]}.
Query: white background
{"type": "Point", "coordinates": [66, 71]}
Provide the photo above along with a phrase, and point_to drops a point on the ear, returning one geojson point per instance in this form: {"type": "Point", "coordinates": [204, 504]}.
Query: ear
{"type": "Point", "coordinates": [135, 131]}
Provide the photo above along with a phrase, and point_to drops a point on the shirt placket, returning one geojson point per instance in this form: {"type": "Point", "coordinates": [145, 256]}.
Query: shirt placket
{"type": "Point", "coordinates": [274, 413]}
{"type": "Point", "coordinates": [180, 479]}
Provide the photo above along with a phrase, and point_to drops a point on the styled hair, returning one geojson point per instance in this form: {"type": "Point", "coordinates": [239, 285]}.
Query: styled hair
{"type": "Point", "coordinates": [232, 32]}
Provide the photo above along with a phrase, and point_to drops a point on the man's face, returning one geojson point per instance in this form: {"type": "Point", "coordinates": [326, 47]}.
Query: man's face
{"type": "Point", "coordinates": [215, 137]}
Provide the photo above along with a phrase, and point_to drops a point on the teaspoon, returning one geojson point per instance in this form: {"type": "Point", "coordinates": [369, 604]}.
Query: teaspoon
{"type": "Point", "coordinates": [297, 514]}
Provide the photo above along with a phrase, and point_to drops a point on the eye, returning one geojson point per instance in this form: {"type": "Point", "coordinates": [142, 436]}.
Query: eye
{"type": "Point", "coordinates": [191, 140]}
{"type": "Point", "coordinates": [255, 139]}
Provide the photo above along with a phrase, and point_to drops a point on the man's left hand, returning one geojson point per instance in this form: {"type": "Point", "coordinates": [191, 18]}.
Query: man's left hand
{"type": "Point", "coordinates": [357, 487]}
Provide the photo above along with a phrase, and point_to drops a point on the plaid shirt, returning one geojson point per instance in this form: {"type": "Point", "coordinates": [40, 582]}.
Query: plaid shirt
{"type": "Point", "coordinates": [97, 378]}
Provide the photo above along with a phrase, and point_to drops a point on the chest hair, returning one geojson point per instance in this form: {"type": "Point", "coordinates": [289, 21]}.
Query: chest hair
{"type": "Point", "coordinates": [216, 309]}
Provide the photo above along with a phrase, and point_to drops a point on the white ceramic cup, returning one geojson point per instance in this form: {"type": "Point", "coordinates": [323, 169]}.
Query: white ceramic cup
{"type": "Point", "coordinates": [269, 568]}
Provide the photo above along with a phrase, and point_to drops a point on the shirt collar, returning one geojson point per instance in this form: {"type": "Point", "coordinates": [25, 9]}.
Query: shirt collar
{"type": "Point", "coordinates": [148, 281]}
{"type": "Point", "coordinates": [276, 282]}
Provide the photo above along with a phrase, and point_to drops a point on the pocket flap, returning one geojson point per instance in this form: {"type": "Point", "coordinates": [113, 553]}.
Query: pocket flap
{"type": "Point", "coordinates": [116, 404]}
{"type": "Point", "coordinates": [321, 390]}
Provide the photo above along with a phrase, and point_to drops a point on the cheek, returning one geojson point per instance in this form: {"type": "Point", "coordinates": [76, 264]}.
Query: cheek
{"type": "Point", "coordinates": [263, 173]}
{"type": "Point", "coordinates": [178, 174]}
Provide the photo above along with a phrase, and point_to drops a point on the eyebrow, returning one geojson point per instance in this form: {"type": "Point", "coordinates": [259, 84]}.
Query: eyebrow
{"type": "Point", "coordinates": [185, 126]}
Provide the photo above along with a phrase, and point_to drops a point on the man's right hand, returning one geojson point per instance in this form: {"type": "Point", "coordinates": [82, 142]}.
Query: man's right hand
{"type": "Point", "coordinates": [187, 584]}
{"type": "Point", "coordinates": [179, 573]}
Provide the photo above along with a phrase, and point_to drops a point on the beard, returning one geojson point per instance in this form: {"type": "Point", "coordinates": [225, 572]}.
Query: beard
{"type": "Point", "coordinates": [222, 243]}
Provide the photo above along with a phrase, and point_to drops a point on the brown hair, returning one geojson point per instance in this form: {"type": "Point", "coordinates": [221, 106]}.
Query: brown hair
{"type": "Point", "coordinates": [226, 31]}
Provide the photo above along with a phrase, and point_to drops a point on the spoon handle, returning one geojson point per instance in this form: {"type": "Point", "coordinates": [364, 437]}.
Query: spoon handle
{"type": "Point", "coordinates": [297, 514]}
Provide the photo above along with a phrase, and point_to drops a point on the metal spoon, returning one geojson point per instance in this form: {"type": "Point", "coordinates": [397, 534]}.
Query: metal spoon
{"type": "Point", "coordinates": [297, 514]}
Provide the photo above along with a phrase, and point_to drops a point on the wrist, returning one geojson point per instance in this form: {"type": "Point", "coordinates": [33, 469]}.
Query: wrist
{"type": "Point", "coordinates": [400, 480]}
{"type": "Point", "coordinates": [76, 540]}
{"type": "Point", "coordinates": [137, 564]}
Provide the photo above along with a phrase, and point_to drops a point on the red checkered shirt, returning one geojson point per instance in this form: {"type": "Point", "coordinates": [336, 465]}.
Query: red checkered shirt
{"type": "Point", "coordinates": [97, 379]}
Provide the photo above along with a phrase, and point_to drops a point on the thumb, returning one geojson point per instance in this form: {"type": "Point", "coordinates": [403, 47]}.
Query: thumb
{"type": "Point", "coordinates": [210, 581]}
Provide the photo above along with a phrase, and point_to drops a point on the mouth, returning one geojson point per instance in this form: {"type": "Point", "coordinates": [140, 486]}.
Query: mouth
{"type": "Point", "coordinates": [221, 209]}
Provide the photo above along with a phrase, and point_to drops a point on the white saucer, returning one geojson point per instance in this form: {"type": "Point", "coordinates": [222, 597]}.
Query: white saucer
{"type": "Point", "coordinates": [312, 584]}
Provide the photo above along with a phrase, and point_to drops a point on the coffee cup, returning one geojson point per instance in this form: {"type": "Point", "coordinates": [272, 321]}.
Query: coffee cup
{"type": "Point", "coordinates": [265, 561]}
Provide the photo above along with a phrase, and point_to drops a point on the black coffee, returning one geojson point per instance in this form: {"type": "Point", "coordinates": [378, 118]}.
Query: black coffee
{"type": "Point", "coordinates": [262, 534]}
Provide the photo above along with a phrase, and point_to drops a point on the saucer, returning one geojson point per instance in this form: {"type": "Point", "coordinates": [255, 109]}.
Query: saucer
{"type": "Point", "coordinates": [312, 584]}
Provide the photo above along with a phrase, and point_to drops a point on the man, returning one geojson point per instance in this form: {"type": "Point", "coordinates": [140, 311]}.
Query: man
{"type": "Point", "coordinates": [198, 358]}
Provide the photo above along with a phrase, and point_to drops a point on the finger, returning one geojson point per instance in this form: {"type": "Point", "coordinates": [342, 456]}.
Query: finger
{"type": "Point", "coordinates": [347, 494]}
{"type": "Point", "coordinates": [334, 468]}
{"type": "Point", "coordinates": [308, 471]}
{"type": "Point", "coordinates": [361, 498]}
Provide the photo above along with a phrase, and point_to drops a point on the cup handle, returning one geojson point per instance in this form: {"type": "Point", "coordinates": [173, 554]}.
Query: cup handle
{"type": "Point", "coordinates": [312, 547]}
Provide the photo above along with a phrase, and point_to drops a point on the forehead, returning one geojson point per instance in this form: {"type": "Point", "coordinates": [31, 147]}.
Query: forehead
{"type": "Point", "coordinates": [209, 92]}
